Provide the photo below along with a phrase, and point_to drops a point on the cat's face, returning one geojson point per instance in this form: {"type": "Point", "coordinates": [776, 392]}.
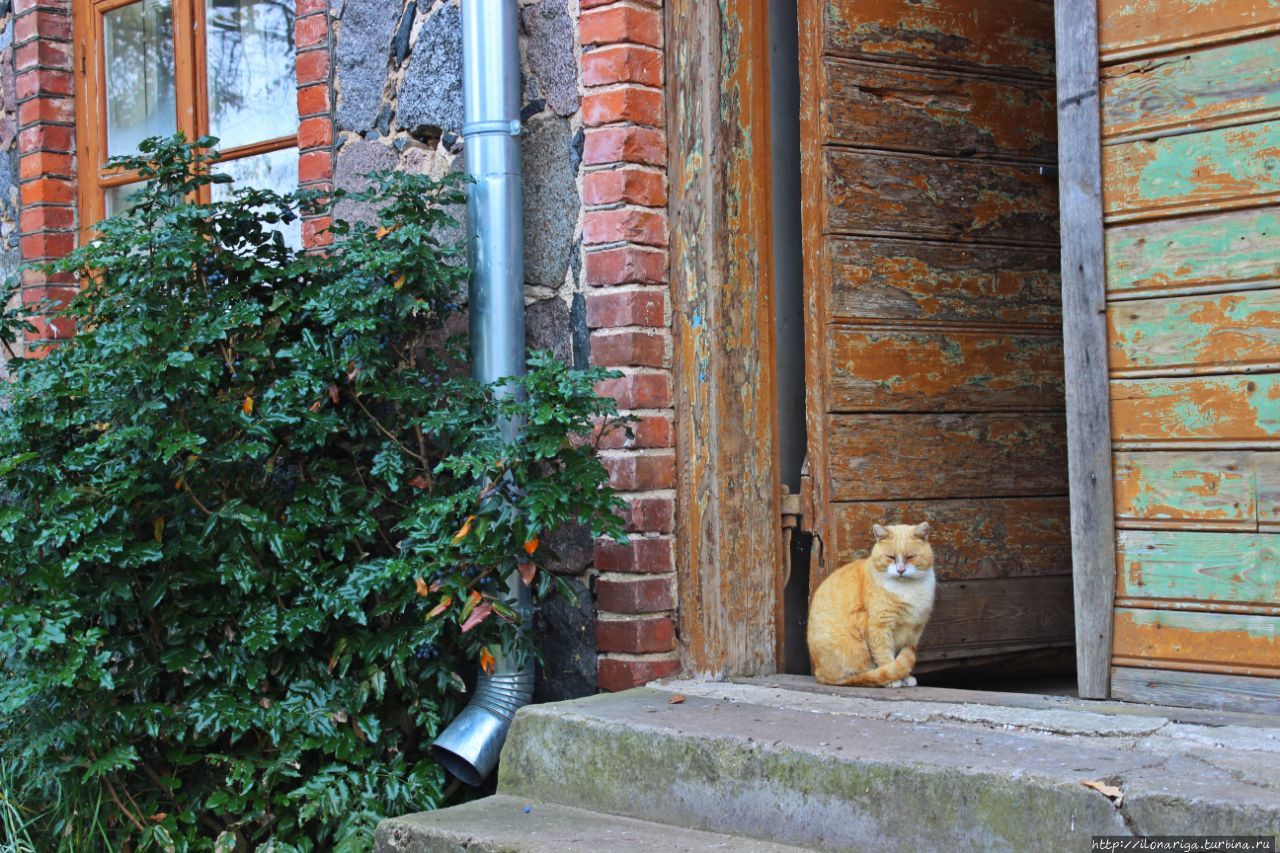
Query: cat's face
{"type": "Point", "coordinates": [902, 551]}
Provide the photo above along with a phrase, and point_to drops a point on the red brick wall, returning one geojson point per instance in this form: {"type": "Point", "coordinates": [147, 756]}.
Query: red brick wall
{"type": "Point", "coordinates": [313, 43]}
{"type": "Point", "coordinates": [624, 236]}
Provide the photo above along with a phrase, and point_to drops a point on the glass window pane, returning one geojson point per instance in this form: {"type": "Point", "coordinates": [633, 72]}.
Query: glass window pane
{"type": "Point", "coordinates": [275, 170]}
{"type": "Point", "coordinates": [120, 198]}
{"type": "Point", "coordinates": [139, 72]}
{"type": "Point", "coordinates": [253, 93]}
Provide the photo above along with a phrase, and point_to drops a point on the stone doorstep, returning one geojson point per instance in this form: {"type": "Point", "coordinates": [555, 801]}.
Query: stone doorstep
{"type": "Point", "coordinates": [788, 761]}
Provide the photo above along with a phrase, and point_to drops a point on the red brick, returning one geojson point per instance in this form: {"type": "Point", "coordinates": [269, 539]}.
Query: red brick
{"type": "Point", "coordinates": [626, 224]}
{"type": "Point", "coordinates": [49, 191]}
{"type": "Point", "coordinates": [47, 329]}
{"type": "Point", "coordinates": [629, 186]}
{"type": "Point", "coordinates": [593, 4]}
{"type": "Point", "coordinates": [47, 137]}
{"type": "Point", "coordinates": [23, 6]}
{"type": "Point", "coordinates": [51, 110]}
{"type": "Point", "coordinates": [45, 163]}
{"type": "Point", "coordinates": [638, 595]}
{"type": "Point", "coordinates": [626, 265]}
{"type": "Point", "coordinates": [313, 100]}
{"type": "Point", "coordinates": [645, 555]}
{"type": "Point", "coordinates": [44, 81]}
{"type": "Point", "coordinates": [42, 24]}
{"type": "Point", "coordinates": [647, 431]}
{"type": "Point", "coordinates": [311, 7]}
{"type": "Point", "coordinates": [315, 132]}
{"type": "Point", "coordinates": [58, 297]}
{"type": "Point", "coordinates": [636, 636]}
{"type": "Point", "coordinates": [315, 232]}
{"type": "Point", "coordinates": [49, 216]}
{"type": "Point", "coordinates": [47, 245]}
{"type": "Point", "coordinates": [315, 166]}
{"type": "Point", "coordinates": [614, 674]}
{"type": "Point", "coordinates": [633, 104]}
{"type": "Point", "coordinates": [649, 514]}
{"type": "Point", "coordinates": [632, 472]}
{"type": "Point", "coordinates": [312, 67]}
{"type": "Point", "coordinates": [627, 63]}
{"type": "Point", "coordinates": [628, 349]}
{"type": "Point", "coordinates": [310, 31]}
{"type": "Point", "coordinates": [630, 308]}
{"type": "Point", "coordinates": [621, 23]}
{"type": "Point", "coordinates": [645, 145]}
{"type": "Point", "coordinates": [42, 54]}
{"type": "Point", "coordinates": [39, 278]}
{"type": "Point", "coordinates": [638, 390]}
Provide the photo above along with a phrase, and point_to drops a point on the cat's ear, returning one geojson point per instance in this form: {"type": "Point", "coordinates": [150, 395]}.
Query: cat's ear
{"type": "Point", "coordinates": [880, 532]}
{"type": "Point", "coordinates": [922, 531]}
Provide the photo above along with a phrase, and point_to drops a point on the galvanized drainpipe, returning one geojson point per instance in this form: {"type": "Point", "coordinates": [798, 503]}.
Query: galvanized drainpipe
{"type": "Point", "coordinates": [469, 747]}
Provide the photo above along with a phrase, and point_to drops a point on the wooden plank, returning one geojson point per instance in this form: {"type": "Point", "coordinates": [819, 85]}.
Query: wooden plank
{"type": "Point", "coordinates": [943, 199]}
{"type": "Point", "coordinates": [1266, 467]}
{"type": "Point", "coordinates": [1014, 37]}
{"type": "Point", "coordinates": [1206, 642]}
{"type": "Point", "coordinates": [1238, 331]}
{"type": "Point", "coordinates": [943, 282]}
{"type": "Point", "coordinates": [1177, 487]}
{"type": "Point", "coordinates": [1220, 409]}
{"type": "Point", "coordinates": [972, 539]}
{"type": "Point", "coordinates": [723, 328]}
{"type": "Point", "coordinates": [1198, 254]}
{"type": "Point", "coordinates": [972, 616]}
{"type": "Point", "coordinates": [1085, 341]}
{"type": "Point", "coordinates": [1199, 566]}
{"type": "Point", "coordinates": [876, 106]}
{"type": "Point", "coordinates": [1131, 28]}
{"type": "Point", "coordinates": [1197, 690]}
{"type": "Point", "coordinates": [1231, 84]}
{"type": "Point", "coordinates": [1194, 173]}
{"type": "Point", "coordinates": [900, 456]}
{"type": "Point", "coordinates": [955, 370]}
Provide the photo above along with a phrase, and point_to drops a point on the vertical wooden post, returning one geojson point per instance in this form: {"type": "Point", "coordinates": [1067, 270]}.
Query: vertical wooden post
{"type": "Point", "coordinates": [729, 550]}
{"type": "Point", "coordinates": [1084, 324]}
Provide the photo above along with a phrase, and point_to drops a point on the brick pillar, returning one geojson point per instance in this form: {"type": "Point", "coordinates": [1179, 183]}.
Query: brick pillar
{"type": "Point", "coordinates": [624, 234]}
{"type": "Point", "coordinates": [313, 43]}
{"type": "Point", "coordinates": [46, 147]}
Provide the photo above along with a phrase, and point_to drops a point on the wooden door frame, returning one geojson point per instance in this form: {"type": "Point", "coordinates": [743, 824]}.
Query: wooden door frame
{"type": "Point", "coordinates": [1084, 332]}
{"type": "Point", "coordinates": [729, 541]}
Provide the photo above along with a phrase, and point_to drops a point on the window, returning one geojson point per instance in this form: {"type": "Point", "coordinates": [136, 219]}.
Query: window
{"type": "Point", "coordinates": [223, 68]}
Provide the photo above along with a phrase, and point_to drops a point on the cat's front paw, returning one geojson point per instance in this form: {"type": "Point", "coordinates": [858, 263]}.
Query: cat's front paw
{"type": "Point", "coordinates": [909, 681]}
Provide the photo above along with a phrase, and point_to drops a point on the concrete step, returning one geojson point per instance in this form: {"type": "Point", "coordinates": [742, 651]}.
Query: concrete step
{"type": "Point", "coordinates": [832, 769]}
{"type": "Point", "coordinates": [505, 823]}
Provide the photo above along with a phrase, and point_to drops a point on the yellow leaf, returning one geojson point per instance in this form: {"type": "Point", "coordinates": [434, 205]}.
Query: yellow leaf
{"type": "Point", "coordinates": [531, 546]}
{"type": "Point", "coordinates": [464, 530]}
{"type": "Point", "coordinates": [487, 661]}
{"type": "Point", "coordinates": [421, 586]}
{"type": "Point", "coordinates": [177, 485]}
{"type": "Point", "coordinates": [157, 529]}
{"type": "Point", "coordinates": [441, 607]}
{"type": "Point", "coordinates": [247, 405]}
{"type": "Point", "coordinates": [399, 282]}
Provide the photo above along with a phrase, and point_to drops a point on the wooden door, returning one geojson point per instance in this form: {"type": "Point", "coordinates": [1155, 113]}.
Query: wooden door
{"type": "Point", "coordinates": [1190, 96]}
{"type": "Point", "coordinates": [933, 334]}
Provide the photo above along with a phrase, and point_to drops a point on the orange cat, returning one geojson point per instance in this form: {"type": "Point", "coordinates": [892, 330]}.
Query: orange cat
{"type": "Point", "coordinates": [867, 617]}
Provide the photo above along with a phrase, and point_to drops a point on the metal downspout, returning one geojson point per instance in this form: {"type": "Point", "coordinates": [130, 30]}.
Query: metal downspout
{"type": "Point", "coordinates": [469, 747]}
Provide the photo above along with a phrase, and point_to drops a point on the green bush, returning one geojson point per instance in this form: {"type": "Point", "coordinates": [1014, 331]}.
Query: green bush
{"type": "Point", "coordinates": [255, 522]}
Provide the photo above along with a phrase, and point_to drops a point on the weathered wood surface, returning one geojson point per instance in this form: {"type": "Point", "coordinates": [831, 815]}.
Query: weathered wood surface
{"type": "Point", "coordinates": [873, 106]}
{"type": "Point", "coordinates": [1010, 37]}
{"type": "Point", "coordinates": [953, 370]}
{"type": "Point", "coordinates": [1220, 409]}
{"type": "Point", "coordinates": [1230, 84]}
{"type": "Point", "coordinates": [973, 617]}
{"type": "Point", "coordinates": [1129, 28]}
{"type": "Point", "coordinates": [972, 538]}
{"type": "Point", "coordinates": [1180, 488]}
{"type": "Point", "coordinates": [1084, 341]}
{"type": "Point", "coordinates": [1197, 690]}
{"type": "Point", "coordinates": [1197, 172]}
{"type": "Point", "coordinates": [1237, 331]}
{"type": "Point", "coordinates": [1202, 253]}
{"type": "Point", "coordinates": [891, 457]}
{"type": "Point", "coordinates": [944, 199]}
{"type": "Point", "coordinates": [723, 320]}
{"type": "Point", "coordinates": [943, 282]}
{"type": "Point", "coordinates": [1201, 568]}
{"type": "Point", "coordinates": [1266, 467]}
{"type": "Point", "coordinates": [1207, 642]}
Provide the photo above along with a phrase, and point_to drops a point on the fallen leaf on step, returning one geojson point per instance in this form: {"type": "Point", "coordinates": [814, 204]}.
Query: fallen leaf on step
{"type": "Point", "coordinates": [1111, 792]}
{"type": "Point", "coordinates": [676, 699]}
